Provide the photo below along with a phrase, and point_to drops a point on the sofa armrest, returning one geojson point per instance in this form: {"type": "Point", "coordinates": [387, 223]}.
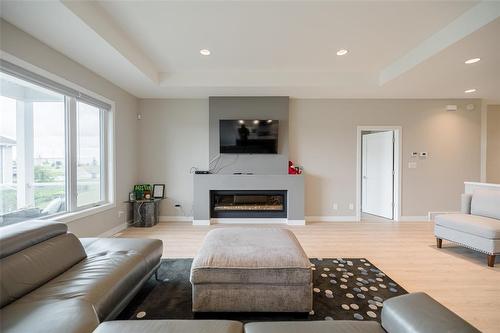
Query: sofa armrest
{"type": "Point", "coordinates": [419, 313]}
{"type": "Point", "coordinates": [466, 201]}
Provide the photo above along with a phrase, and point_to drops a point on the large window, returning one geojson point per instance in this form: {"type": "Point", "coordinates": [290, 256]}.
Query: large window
{"type": "Point", "coordinates": [53, 149]}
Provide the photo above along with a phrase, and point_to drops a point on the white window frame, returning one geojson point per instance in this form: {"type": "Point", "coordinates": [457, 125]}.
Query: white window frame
{"type": "Point", "coordinates": [108, 160]}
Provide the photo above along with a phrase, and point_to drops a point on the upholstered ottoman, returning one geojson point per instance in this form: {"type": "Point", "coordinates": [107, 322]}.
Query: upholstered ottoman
{"type": "Point", "coordinates": [251, 270]}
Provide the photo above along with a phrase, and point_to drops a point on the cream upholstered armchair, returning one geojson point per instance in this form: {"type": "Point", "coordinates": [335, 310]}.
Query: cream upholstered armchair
{"type": "Point", "coordinates": [478, 225]}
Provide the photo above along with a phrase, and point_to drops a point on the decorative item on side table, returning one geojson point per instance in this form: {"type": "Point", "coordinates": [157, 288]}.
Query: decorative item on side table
{"type": "Point", "coordinates": [146, 205]}
{"type": "Point", "coordinates": [158, 191]}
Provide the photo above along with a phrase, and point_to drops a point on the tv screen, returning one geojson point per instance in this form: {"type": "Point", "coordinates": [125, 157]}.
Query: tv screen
{"type": "Point", "coordinates": [248, 136]}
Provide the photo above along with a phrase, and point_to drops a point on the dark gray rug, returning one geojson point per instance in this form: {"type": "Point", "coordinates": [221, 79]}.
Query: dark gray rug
{"type": "Point", "coordinates": [343, 289]}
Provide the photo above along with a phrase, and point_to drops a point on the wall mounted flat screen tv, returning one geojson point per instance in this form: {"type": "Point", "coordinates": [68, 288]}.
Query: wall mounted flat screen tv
{"type": "Point", "coordinates": [248, 136]}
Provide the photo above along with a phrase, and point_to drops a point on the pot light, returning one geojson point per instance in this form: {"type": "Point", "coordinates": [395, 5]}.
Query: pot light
{"type": "Point", "coordinates": [269, 121]}
{"type": "Point", "coordinates": [241, 121]}
{"type": "Point", "coordinates": [255, 122]}
{"type": "Point", "coordinates": [342, 52]}
{"type": "Point", "coordinates": [468, 91]}
{"type": "Point", "coordinates": [205, 52]}
{"type": "Point", "coordinates": [472, 61]}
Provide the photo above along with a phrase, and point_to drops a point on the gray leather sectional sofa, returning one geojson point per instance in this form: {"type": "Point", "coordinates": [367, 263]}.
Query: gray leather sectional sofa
{"type": "Point", "coordinates": [412, 313]}
{"type": "Point", "coordinates": [51, 281]}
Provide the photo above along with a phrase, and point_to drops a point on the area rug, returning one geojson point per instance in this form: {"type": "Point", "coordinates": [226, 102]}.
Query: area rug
{"type": "Point", "coordinates": [344, 289]}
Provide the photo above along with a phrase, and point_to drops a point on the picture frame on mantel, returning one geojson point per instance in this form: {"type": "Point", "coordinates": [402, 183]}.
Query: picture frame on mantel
{"type": "Point", "coordinates": [158, 191]}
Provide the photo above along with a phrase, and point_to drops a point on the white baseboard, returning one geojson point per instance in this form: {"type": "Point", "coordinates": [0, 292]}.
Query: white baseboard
{"type": "Point", "coordinates": [432, 215]}
{"type": "Point", "coordinates": [175, 218]}
{"type": "Point", "coordinates": [201, 222]}
{"type": "Point", "coordinates": [248, 221]}
{"type": "Point", "coordinates": [348, 218]}
{"type": "Point", "coordinates": [296, 222]}
{"type": "Point", "coordinates": [114, 230]}
{"type": "Point", "coordinates": [414, 218]}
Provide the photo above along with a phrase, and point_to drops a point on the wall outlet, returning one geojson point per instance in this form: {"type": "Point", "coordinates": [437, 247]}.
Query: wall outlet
{"type": "Point", "coordinates": [412, 165]}
{"type": "Point", "coordinates": [121, 213]}
{"type": "Point", "coordinates": [335, 206]}
{"type": "Point", "coordinates": [351, 206]}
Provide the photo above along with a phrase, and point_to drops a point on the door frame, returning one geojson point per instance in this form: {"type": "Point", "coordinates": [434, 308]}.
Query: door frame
{"type": "Point", "coordinates": [397, 167]}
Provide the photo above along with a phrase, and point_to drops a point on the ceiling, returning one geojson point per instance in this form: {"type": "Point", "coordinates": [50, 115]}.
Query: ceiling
{"type": "Point", "coordinates": [397, 49]}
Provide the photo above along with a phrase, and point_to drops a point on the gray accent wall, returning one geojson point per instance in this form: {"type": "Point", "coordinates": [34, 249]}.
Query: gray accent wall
{"type": "Point", "coordinates": [275, 108]}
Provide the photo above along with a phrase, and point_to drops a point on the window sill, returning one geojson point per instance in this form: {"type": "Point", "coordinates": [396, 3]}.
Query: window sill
{"type": "Point", "coordinates": [70, 217]}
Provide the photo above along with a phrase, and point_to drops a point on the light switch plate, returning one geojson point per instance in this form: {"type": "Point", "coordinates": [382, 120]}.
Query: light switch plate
{"type": "Point", "coordinates": [412, 165]}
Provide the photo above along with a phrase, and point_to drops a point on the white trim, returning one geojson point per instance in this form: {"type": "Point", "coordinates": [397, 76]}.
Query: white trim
{"type": "Point", "coordinates": [248, 221]}
{"type": "Point", "coordinates": [175, 218]}
{"type": "Point", "coordinates": [201, 222]}
{"type": "Point", "coordinates": [432, 215]}
{"type": "Point", "coordinates": [113, 231]}
{"type": "Point", "coordinates": [296, 222]}
{"type": "Point", "coordinates": [348, 218]}
{"type": "Point", "coordinates": [73, 216]}
{"type": "Point", "coordinates": [398, 145]}
{"type": "Point", "coordinates": [414, 219]}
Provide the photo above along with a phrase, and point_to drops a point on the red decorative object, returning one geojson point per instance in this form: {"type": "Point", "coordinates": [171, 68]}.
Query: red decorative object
{"type": "Point", "coordinates": [293, 170]}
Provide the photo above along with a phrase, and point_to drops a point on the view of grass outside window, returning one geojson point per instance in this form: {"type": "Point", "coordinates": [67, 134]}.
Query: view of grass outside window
{"type": "Point", "coordinates": [32, 151]}
{"type": "Point", "coordinates": [89, 154]}
{"type": "Point", "coordinates": [37, 125]}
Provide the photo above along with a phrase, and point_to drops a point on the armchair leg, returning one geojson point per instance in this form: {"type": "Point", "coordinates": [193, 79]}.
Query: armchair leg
{"type": "Point", "coordinates": [439, 243]}
{"type": "Point", "coordinates": [491, 260]}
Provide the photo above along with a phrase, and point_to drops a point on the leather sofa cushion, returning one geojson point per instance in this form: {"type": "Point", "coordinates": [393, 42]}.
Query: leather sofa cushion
{"type": "Point", "coordinates": [486, 203]}
{"type": "Point", "coordinates": [420, 313]}
{"type": "Point", "coordinates": [472, 224]}
{"type": "Point", "coordinates": [251, 255]}
{"type": "Point", "coordinates": [68, 316]}
{"type": "Point", "coordinates": [324, 326]}
{"type": "Point", "coordinates": [32, 267]}
{"type": "Point", "coordinates": [170, 326]}
{"type": "Point", "coordinates": [113, 267]}
{"type": "Point", "coordinates": [19, 236]}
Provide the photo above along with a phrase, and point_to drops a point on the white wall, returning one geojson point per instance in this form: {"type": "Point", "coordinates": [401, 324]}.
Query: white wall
{"type": "Point", "coordinates": [323, 140]}
{"type": "Point", "coordinates": [23, 46]}
{"type": "Point", "coordinates": [174, 137]}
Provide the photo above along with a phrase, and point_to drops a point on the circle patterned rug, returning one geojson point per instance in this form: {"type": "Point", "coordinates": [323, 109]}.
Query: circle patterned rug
{"type": "Point", "coordinates": [343, 289]}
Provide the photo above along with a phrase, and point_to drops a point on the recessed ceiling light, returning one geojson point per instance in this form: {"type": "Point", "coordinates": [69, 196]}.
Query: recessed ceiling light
{"type": "Point", "coordinates": [241, 121]}
{"type": "Point", "coordinates": [205, 52]}
{"type": "Point", "coordinates": [255, 122]}
{"type": "Point", "coordinates": [472, 61]}
{"type": "Point", "coordinates": [342, 52]}
{"type": "Point", "coordinates": [468, 91]}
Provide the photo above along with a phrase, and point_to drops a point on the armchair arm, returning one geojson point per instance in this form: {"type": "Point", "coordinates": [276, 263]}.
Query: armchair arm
{"type": "Point", "coordinates": [419, 313]}
{"type": "Point", "coordinates": [466, 203]}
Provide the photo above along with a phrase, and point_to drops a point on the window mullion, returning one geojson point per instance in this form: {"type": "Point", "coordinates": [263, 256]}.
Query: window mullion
{"type": "Point", "coordinates": [72, 154]}
{"type": "Point", "coordinates": [103, 161]}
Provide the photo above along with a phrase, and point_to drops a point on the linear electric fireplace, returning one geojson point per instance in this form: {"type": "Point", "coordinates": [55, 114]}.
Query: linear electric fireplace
{"type": "Point", "coordinates": [248, 204]}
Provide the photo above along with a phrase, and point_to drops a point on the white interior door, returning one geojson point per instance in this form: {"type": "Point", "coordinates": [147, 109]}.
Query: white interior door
{"type": "Point", "coordinates": [378, 174]}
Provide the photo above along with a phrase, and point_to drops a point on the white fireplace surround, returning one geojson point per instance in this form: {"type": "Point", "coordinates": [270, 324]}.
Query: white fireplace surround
{"type": "Point", "coordinates": [293, 184]}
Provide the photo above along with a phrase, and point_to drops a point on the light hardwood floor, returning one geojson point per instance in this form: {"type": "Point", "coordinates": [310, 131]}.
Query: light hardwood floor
{"type": "Point", "coordinates": [406, 251]}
